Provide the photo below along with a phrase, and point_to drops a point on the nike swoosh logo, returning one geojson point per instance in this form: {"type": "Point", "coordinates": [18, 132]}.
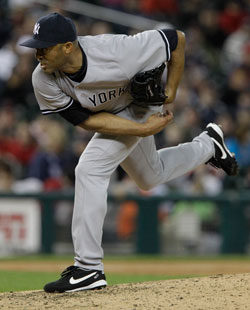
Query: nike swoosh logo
{"type": "Point", "coordinates": [75, 281]}
{"type": "Point", "coordinates": [224, 154]}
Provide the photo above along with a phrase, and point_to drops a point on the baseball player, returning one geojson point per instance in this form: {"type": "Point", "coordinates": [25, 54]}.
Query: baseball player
{"type": "Point", "coordinates": [85, 80]}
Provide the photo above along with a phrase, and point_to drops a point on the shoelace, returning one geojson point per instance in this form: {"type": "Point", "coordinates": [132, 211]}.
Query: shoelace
{"type": "Point", "coordinates": [68, 271]}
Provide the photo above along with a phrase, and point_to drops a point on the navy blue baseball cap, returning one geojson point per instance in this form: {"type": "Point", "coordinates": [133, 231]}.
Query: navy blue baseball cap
{"type": "Point", "coordinates": [50, 30]}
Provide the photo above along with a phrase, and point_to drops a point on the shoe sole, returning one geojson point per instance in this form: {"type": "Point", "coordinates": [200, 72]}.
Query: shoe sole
{"type": "Point", "coordinates": [94, 286]}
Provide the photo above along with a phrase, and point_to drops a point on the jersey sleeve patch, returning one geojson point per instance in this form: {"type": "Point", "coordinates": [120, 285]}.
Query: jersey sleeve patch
{"type": "Point", "coordinates": [75, 113]}
{"type": "Point", "coordinates": [170, 39]}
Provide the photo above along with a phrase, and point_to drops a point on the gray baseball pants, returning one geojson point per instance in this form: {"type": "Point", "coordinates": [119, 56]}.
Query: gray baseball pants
{"type": "Point", "coordinates": [142, 162]}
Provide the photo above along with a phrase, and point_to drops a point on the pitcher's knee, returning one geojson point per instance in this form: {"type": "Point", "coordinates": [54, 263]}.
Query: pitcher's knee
{"type": "Point", "coordinates": [145, 185]}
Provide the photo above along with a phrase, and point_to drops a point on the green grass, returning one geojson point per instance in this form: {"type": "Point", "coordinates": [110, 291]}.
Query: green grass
{"type": "Point", "coordinates": [22, 281]}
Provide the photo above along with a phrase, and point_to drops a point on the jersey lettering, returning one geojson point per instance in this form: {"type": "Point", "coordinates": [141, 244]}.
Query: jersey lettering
{"type": "Point", "coordinates": [121, 91]}
{"type": "Point", "coordinates": [106, 96]}
{"type": "Point", "coordinates": [102, 97]}
{"type": "Point", "coordinates": [93, 100]}
{"type": "Point", "coordinates": [112, 93]}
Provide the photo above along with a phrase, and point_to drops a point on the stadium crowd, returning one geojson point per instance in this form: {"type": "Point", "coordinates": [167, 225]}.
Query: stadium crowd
{"type": "Point", "coordinates": [39, 153]}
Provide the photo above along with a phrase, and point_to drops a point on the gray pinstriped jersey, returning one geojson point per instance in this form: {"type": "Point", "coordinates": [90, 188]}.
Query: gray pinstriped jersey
{"type": "Point", "coordinates": [112, 60]}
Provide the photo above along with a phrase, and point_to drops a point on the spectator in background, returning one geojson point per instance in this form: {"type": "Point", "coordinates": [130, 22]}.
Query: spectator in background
{"type": "Point", "coordinates": [8, 118]}
{"type": "Point", "coordinates": [191, 123]}
{"type": "Point", "coordinates": [8, 61]}
{"type": "Point", "coordinates": [21, 146]}
{"type": "Point", "coordinates": [231, 18]}
{"type": "Point", "coordinates": [52, 161]}
{"type": "Point", "coordinates": [166, 8]}
{"type": "Point", "coordinates": [209, 106]}
{"type": "Point", "coordinates": [235, 48]}
{"type": "Point", "coordinates": [9, 182]}
{"type": "Point", "coordinates": [208, 19]}
{"type": "Point", "coordinates": [6, 176]}
{"type": "Point", "coordinates": [5, 24]}
{"type": "Point", "coordinates": [16, 141]}
{"type": "Point", "coordinates": [100, 28]}
{"type": "Point", "coordinates": [237, 82]}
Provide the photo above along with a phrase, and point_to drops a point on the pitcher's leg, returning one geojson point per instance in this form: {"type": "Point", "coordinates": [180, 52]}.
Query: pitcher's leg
{"type": "Point", "coordinates": [93, 172]}
{"type": "Point", "coordinates": [149, 167]}
{"type": "Point", "coordinates": [187, 156]}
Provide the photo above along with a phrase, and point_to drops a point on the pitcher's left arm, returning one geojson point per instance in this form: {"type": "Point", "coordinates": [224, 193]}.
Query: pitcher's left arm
{"type": "Point", "coordinates": [175, 68]}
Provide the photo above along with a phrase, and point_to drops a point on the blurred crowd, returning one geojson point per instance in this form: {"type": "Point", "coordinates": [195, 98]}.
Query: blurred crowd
{"type": "Point", "coordinates": [39, 153]}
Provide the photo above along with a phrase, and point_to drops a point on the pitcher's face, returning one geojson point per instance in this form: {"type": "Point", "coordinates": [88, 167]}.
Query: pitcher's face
{"type": "Point", "coordinates": [51, 58]}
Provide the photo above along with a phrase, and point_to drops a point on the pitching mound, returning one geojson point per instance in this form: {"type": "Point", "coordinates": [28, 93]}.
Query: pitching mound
{"type": "Point", "coordinates": [222, 292]}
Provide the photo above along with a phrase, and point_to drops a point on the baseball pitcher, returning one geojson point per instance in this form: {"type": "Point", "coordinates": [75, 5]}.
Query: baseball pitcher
{"type": "Point", "coordinates": [111, 84]}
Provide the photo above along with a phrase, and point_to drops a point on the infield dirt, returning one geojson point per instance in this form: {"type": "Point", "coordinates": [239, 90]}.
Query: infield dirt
{"type": "Point", "coordinates": [229, 292]}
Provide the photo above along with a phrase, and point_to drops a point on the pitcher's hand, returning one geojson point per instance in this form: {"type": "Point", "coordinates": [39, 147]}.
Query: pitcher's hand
{"type": "Point", "coordinates": [157, 122]}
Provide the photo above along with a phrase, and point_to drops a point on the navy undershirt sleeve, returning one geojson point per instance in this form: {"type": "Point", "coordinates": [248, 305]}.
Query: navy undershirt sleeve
{"type": "Point", "coordinates": [75, 114]}
{"type": "Point", "coordinates": [170, 38]}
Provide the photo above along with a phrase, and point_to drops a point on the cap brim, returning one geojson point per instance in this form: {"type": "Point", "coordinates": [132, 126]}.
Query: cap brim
{"type": "Point", "coordinates": [32, 43]}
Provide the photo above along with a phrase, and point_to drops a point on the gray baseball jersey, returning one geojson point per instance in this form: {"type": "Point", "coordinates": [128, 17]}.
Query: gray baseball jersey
{"type": "Point", "coordinates": [110, 62]}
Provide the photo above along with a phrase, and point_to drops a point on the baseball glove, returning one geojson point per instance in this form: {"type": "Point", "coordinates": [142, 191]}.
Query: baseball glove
{"type": "Point", "coordinates": [145, 87]}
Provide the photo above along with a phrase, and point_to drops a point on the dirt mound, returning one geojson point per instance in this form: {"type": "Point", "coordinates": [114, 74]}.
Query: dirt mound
{"type": "Point", "coordinates": [222, 292]}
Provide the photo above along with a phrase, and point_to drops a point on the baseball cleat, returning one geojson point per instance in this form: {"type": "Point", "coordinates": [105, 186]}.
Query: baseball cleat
{"type": "Point", "coordinates": [223, 158]}
{"type": "Point", "coordinates": [75, 279]}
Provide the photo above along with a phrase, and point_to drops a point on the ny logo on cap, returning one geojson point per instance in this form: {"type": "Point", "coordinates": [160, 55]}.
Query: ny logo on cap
{"type": "Point", "coordinates": [36, 28]}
